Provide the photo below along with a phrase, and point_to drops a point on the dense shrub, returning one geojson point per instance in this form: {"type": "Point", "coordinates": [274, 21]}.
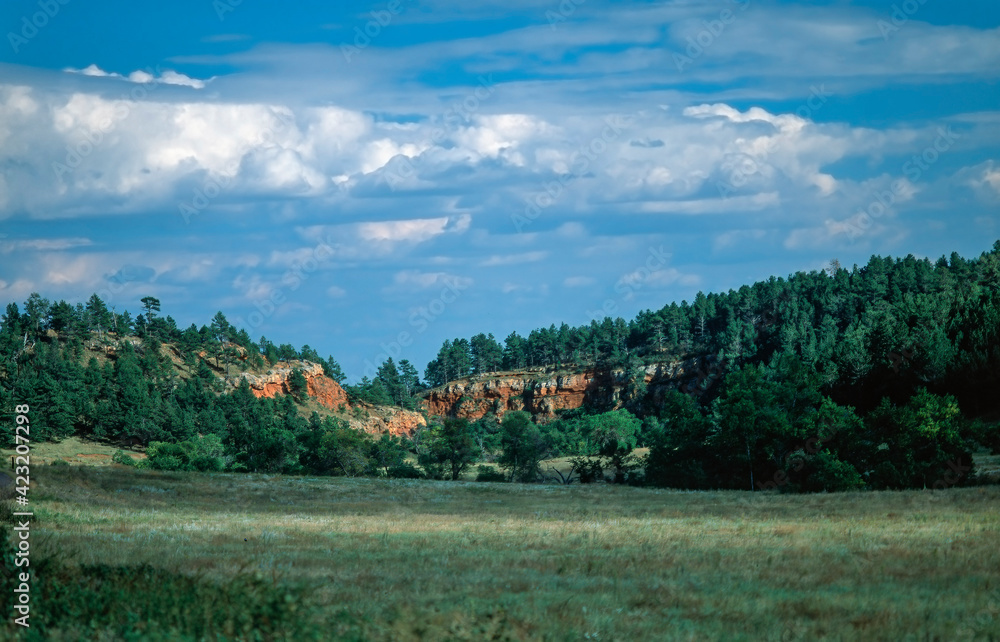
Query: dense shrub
{"type": "Point", "coordinates": [123, 458]}
{"type": "Point", "coordinates": [489, 474]}
{"type": "Point", "coordinates": [405, 470]}
{"type": "Point", "coordinates": [822, 472]}
{"type": "Point", "coordinates": [203, 454]}
{"type": "Point", "coordinates": [589, 469]}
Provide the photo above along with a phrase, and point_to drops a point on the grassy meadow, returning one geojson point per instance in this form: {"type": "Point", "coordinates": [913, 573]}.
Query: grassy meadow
{"type": "Point", "coordinates": [370, 559]}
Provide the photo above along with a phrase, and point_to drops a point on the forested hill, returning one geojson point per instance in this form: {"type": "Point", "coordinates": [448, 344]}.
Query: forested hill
{"type": "Point", "coordinates": [883, 365]}
{"type": "Point", "coordinates": [881, 330]}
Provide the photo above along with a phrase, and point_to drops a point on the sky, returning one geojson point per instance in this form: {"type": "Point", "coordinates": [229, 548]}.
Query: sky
{"type": "Point", "coordinates": [374, 178]}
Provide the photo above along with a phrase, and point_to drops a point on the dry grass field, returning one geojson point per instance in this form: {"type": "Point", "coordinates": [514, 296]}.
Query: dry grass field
{"type": "Point", "coordinates": [409, 560]}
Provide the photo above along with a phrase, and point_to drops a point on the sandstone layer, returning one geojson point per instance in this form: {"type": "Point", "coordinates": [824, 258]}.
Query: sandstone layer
{"type": "Point", "coordinates": [542, 394]}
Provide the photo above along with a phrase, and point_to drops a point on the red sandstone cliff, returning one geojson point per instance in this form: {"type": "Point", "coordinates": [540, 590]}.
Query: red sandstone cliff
{"type": "Point", "coordinates": [329, 394]}
{"type": "Point", "coordinates": [542, 394]}
{"type": "Point", "coordinates": [275, 382]}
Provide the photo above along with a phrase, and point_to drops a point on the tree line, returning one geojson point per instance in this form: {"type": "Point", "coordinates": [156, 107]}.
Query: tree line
{"type": "Point", "coordinates": [880, 330]}
{"type": "Point", "coordinates": [826, 380]}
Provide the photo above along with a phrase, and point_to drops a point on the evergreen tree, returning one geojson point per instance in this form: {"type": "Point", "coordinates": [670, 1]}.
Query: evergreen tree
{"type": "Point", "coordinates": [389, 376]}
{"type": "Point", "coordinates": [333, 370]}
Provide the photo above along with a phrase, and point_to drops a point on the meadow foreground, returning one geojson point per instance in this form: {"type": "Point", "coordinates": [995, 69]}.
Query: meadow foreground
{"type": "Point", "coordinates": [402, 560]}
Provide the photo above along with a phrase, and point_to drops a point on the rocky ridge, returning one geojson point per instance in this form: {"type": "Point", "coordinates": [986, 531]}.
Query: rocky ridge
{"type": "Point", "coordinates": [329, 394]}
{"type": "Point", "coordinates": [542, 394]}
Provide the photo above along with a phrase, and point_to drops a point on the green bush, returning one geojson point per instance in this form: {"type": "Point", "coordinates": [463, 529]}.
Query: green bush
{"type": "Point", "coordinates": [123, 458]}
{"type": "Point", "coordinates": [203, 454]}
{"type": "Point", "coordinates": [590, 469]}
{"type": "Point", "coordinates": [405, 470]}
{"type": "Point", "coordinates": [208, 463]}
{"type": "Point", "coordinates": [821, 472]}
{"type": "Point", "coordinates": [489, 474]}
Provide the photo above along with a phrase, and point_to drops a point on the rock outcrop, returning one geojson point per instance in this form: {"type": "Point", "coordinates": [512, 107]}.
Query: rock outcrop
{"type": "Point", "coordinates": [378, 420]}
{"type": "Point", "coordinates": [275, 382]}
{"type": "Point", "coordinates": [542, 394]}
{"type": "Point", "coordinates": [328, 393]}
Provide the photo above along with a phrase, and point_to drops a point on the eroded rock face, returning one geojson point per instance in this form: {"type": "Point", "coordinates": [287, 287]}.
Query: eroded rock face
{"type": "Point", "coordinates": [371, 419]}
{"type": "Point", "coordinates": [379, 420]}
{"type": "Point", "coordinates": [275, 382]}
{"type": "Point", "coordinates": [543, 394]}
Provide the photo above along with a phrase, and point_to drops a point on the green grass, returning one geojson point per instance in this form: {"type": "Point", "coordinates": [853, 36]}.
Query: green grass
{"type": "Point", "coordinates": [408, 560]}
{"type": "Point", "coordinates": [73, 450]}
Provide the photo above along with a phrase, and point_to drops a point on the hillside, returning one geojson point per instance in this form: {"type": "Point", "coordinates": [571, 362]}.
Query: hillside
{"type": "Point", "coordinates": [882, 376]}
{"type": "Point", "coordinates": [228, 406]}
{"type": "Point", "coordinates": [878, 331]}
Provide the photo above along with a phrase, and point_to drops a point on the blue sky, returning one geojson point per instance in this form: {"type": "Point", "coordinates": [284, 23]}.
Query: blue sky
{"type": "Point", "coordinates": [380, 177]}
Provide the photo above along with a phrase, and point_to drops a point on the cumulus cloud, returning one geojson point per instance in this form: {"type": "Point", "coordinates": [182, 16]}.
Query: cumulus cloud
{"type": "Point", "coordinates": [413, 230]}
{"type": "Point", "coordinates": [167, 77]}
{"type": "Point", "coordinates": [122, 155]}
{"type": "Point", "coordinates": [405, 168]}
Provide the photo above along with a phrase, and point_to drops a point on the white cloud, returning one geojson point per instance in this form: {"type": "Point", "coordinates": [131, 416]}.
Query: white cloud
{"type": "Point", "coordinates": [578, 281]}
{"type": "Point", "coordinates": [43, 244]}
{"type": "Point", "coordinates": [754, 202]}
{"type": "Point", "coordinates": [985, 176]}
{"type": "Point", "coordinates": [252, 287]}
{"type": "Point", "coordinates": [736, 238]}
{"type": "Point", "coordinates": [407, 280]}
{"type": "Point", "coordinates": [658, 278]}
{"type": "Point", "coordinates": [412, 231]}
{"type": "Point", "coordinates": [167, 77]}
{"type": "Point", "coordinates": [514, 259]}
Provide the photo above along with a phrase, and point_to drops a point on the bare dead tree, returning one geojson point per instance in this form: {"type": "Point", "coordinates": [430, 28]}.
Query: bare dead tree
{"type": "Point", "coordinates": [564, 479]}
